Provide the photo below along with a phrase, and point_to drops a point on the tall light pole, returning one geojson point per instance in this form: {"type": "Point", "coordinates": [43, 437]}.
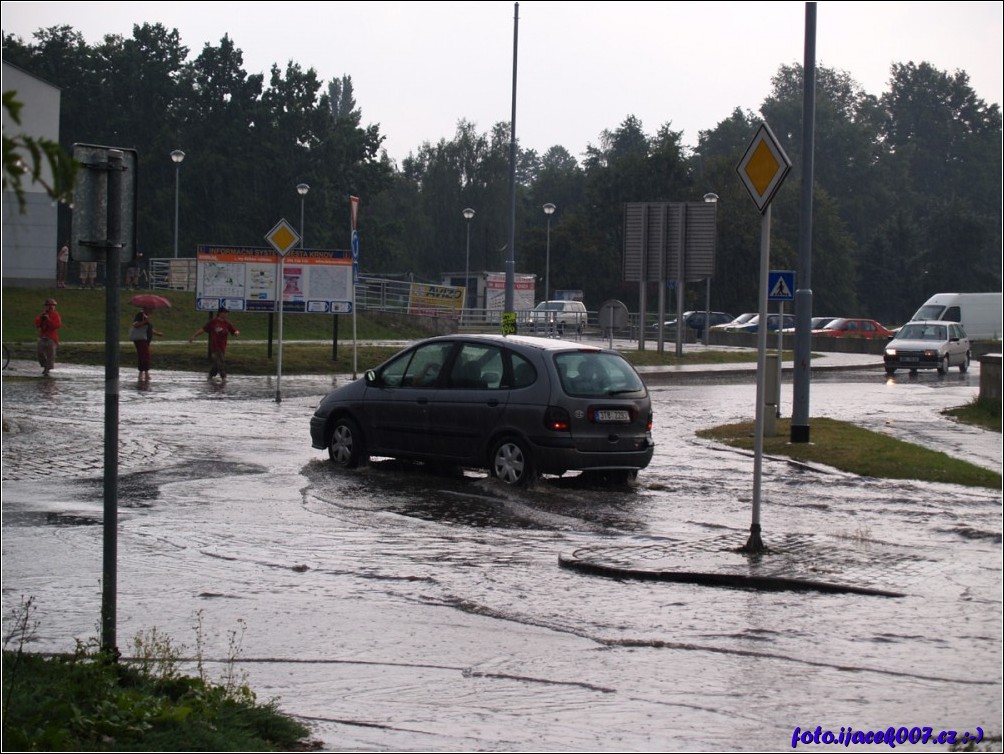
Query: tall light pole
{"type": "Point", "coordinates": [177, 155]}
{"type": "Point", "coordinates": [302, 189]}
{"type": "Point", "coordinates": [548, 210]}
{"type": "Point", "coordinates": [710, 199]}
{"type": "Point", "coordinates": [468, 214]}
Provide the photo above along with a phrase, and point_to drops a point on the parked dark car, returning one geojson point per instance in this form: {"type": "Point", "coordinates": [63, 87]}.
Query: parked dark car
{"type": "Point", "coordinates": [695, 321]}
{"type": "Point", "coordinates": [518, 406]}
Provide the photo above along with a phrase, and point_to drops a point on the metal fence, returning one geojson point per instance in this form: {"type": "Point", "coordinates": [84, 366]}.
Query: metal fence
{"type": "Point", "coordinates": [173, 274]}
{"type": "Point", "coordinates": [390, 296]}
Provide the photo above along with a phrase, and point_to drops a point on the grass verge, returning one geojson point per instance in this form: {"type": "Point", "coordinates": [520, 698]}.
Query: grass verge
{"type": "Point", "coordinates": [980, 412]}
{"type": "Point", "coordinates": [86, 701]}
{"type": "Point", "coordinates": [859, 451]}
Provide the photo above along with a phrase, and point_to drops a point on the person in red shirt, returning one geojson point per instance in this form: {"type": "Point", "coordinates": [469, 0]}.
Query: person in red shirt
{"type": "Point", "coordinates": [219, 328]}
{"type": "Point", "coordinates": [48, 324]}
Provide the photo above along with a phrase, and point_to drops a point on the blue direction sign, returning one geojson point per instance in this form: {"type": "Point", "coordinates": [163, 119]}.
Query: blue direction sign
{"type": "Point", "coordinates": [781, 285]}
{"type": "Point", "coordinates": [355, 257]}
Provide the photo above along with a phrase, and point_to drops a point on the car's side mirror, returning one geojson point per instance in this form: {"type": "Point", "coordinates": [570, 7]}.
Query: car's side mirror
{"type": "Point", "coordinates": [371, 377]}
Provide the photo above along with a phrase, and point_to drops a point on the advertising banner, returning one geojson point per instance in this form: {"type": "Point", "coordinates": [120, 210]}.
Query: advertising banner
{"type": "Point", "coordinates": [523, 293]}
{"type": "Point", "coordinates": [435, 300]}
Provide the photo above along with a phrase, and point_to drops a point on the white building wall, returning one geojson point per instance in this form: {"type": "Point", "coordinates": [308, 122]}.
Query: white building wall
{"type": "Point", "coordinates": [29, 238]}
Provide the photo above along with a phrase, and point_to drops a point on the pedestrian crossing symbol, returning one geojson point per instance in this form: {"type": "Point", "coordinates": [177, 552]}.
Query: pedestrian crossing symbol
{"type": "Point", "coordinates": [781, 286]}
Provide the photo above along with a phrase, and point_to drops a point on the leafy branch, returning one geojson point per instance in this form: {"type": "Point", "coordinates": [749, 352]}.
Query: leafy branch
{"type": "Point", "coordinates": [39, 153]}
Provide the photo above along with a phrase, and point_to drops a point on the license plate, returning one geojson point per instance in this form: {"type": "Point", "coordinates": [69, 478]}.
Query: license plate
{"type": "Point", "coordinates": [613, 415]}
{"type": "Point", "coordinates": [911, 358]}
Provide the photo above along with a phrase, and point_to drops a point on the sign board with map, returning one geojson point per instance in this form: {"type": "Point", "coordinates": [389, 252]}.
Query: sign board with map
{"type": "Point", "coordinates": [243, 278]}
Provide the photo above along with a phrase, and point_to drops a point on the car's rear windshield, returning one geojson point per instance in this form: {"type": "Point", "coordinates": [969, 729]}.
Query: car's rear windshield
{"type": "Point", "coordinates": [597, 373]}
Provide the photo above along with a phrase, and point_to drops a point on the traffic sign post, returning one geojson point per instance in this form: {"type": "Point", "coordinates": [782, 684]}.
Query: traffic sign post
{"type": "Point", "coordinates": [283, 238]}
{"type": "Point", "coordinates": [762, 170]}
{"type": "Point", "coordinates": [780, 288]}
{"type": "Point", "coordinates": [781, 285]}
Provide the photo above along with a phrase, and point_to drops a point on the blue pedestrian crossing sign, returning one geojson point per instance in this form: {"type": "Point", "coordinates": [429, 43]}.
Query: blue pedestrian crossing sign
{"type": "Point", "coordinates": [781, 285]}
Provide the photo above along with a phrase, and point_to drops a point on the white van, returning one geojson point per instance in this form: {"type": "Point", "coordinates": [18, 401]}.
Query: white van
{"type": "Point", "coordinates": [979, 313]}
{"type": "Point", "coordinates": [561, 314]}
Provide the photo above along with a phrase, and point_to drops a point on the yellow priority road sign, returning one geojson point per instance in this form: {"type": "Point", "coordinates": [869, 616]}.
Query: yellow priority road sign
{"type": "Point", "coordinates": [764, 167]}
{"type": "Point", "coordinates": [282, 237]}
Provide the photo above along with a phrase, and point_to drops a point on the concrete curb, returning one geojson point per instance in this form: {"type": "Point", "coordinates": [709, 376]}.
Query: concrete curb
{"type": "Point", "coordinates": [796, 562]}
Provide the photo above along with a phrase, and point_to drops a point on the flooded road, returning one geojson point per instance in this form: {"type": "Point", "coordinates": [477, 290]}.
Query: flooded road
{"type": "Point", "coordinates": [403, 608]}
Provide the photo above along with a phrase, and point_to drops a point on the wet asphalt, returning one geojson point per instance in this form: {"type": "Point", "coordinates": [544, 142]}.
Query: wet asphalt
{"type": "Point", "coordinates": [401, 608]}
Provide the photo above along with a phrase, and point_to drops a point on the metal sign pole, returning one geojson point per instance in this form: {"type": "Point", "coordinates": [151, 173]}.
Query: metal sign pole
{"type": "Point", "coordinates": [780, 355]}
{"type": "Point", "coordinates": [755, 542]}
{"type": "Point", "coordinates": [113, 256]}
{"type": "Point", "coordinates": [278, 302]}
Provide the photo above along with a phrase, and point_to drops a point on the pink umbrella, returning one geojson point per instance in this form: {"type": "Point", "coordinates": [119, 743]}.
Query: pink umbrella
{"type": "Point", "coordinates": [149, 301]}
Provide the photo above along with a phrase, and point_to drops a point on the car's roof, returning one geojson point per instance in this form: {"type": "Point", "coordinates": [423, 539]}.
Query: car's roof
{"type": "Point", "coordinates": [525, 341]}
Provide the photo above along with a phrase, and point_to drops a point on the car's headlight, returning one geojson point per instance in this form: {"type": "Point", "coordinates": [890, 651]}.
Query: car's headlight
{"type": "Point", "coordinates": [890, 352]}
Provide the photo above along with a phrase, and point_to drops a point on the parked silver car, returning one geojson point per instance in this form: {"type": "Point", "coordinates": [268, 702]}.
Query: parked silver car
{"type": "Point", "coordinates": [928, 345]}
{"type": "Point", "coordinates": [519, 406]}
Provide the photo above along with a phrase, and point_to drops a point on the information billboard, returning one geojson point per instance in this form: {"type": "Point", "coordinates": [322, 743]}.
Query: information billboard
{"type": "Point", "coordinates": [244, 278]}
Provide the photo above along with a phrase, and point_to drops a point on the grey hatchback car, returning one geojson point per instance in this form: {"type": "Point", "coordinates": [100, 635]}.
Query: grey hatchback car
{"type": "Point", "coordinates": [928, 345]}
{"type": "Point", "coordinates": [518, 406]}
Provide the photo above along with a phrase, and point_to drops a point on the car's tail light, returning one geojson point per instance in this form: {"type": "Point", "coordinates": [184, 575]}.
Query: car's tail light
{"type": "Point", "coordinates": [648, 424]}
{"type": "Point", "coordinates": [557, 419]}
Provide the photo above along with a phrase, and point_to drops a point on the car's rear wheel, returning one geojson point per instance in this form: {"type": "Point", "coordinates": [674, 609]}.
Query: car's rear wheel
{"type": "Point", "coordinates": [964, 366]}
{"type": "Point", "coordinates": [511, 463]}
{"type": "Point", "coordinates": [943, 367]}
{"type": "Point", "coordinates": [346, 448]}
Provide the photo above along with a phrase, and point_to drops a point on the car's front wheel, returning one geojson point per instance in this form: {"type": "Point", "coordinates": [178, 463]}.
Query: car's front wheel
{"type": "Point", "coordinates": [944, 365]}
{"type": "Point", "coordinates": [511, 463]}
{"type": "Point", "coordinates": [346, 448]}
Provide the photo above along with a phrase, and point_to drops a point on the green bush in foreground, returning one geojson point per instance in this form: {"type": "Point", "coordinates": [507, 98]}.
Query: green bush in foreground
{"type": "Point", "coordinates": [86, 701]}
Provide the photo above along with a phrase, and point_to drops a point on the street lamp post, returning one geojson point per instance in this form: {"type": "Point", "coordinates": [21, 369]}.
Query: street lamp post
{"type": "Point", "coordinates": [177, 155]}
{"type": "Point", "coordinates": [302, 189]}
{"type": "Point", "coordinates": [548, 210]}
{"type": "Point", "coordinates": [710, 199]}
{"type": "Point", "coordinates": [468, 214]}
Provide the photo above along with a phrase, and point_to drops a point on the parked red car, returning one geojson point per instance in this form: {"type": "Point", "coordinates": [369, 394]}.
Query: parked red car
{"type": "Point", "coordinates": [844, 327]}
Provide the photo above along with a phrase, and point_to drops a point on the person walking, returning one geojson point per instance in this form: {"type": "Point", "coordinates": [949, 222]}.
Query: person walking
{"type": "Point", "coordinates": [62, 264]}
{"type": "Point", "coordinates": [88, 274]}
{"type": "Point", "coordinates": [219, 328]}
{"type": "Point", "coordinates": [141, 334]}
{"type": "Point", "coordinates": [48, 324]}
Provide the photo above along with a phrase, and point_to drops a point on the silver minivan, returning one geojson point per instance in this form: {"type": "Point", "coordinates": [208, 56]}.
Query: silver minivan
{"type": "Point", "coordinates": [516, 405]}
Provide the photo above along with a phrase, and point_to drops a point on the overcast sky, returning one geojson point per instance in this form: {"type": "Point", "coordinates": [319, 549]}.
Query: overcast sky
{"type": "Point", "coordinates": [582, 67]}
